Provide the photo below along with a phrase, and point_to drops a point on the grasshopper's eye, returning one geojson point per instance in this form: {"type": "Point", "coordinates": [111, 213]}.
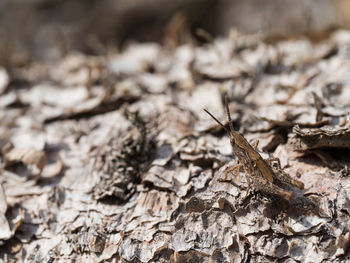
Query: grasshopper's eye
{"type": "Point", "coordinates": [232, 140]}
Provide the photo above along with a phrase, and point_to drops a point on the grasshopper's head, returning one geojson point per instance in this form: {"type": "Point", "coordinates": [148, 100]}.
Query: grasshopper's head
{"type": "Point", "coordinates": [233, 139]}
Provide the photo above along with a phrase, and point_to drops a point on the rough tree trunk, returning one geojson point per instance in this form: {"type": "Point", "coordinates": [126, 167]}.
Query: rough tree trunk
{"type": "Point", "coordinates": [113, 158]}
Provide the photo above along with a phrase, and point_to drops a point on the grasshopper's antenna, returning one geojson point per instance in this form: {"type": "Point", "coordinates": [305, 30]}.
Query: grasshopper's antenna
{"type": "Point", "coordinates": [228, 115]}
{"type": "Point", "coordinates": [211, 115]}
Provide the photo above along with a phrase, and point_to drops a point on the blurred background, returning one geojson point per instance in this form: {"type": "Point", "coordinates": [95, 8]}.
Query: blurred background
{"type": "Point", "coordinates": [47, 29]}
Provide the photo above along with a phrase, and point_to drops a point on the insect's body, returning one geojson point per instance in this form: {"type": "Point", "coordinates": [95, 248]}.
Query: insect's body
{"type": "Point", "coordinates": [238, 140]}
{"type": "Point", "coordinates": [262, 175]}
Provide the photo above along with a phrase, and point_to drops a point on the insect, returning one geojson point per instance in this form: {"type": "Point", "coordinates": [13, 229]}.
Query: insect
{"type": "Point", "coordinates": [260, 173]}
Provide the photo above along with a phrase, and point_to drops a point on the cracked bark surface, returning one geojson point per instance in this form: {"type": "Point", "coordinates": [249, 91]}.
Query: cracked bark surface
{"type": "Point", "coordinates": [131, 167]}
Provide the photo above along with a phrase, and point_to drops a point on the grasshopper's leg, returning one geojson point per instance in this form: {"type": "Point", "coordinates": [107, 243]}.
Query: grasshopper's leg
{"type": "Point", "coordinates": [248, 171]}
{"type": "Point", "coordinates": [248, 189]}
{"type": "Point", "coordinates": [269, 188]}
{"type": "Point", "coordinates": [286, 178]}
{"type": "Point", "coordinates": [232, 169]}
{"type": "Point", "coordinates": [282, 176]}
{"type": "Point", "coordinates": [255, 145]}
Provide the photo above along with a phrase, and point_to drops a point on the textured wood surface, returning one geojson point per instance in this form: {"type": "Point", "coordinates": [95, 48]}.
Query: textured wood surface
{"type": "Point", "coordinates": [133, 168]}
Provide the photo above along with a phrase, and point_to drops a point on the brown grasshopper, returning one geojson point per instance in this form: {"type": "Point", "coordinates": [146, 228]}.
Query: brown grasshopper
{"type": "Point", "coordinates": [263, 176]}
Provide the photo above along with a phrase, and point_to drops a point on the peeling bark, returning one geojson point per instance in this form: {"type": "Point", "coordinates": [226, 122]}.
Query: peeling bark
{"type": "Point", "coordinates": [134, 168]}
